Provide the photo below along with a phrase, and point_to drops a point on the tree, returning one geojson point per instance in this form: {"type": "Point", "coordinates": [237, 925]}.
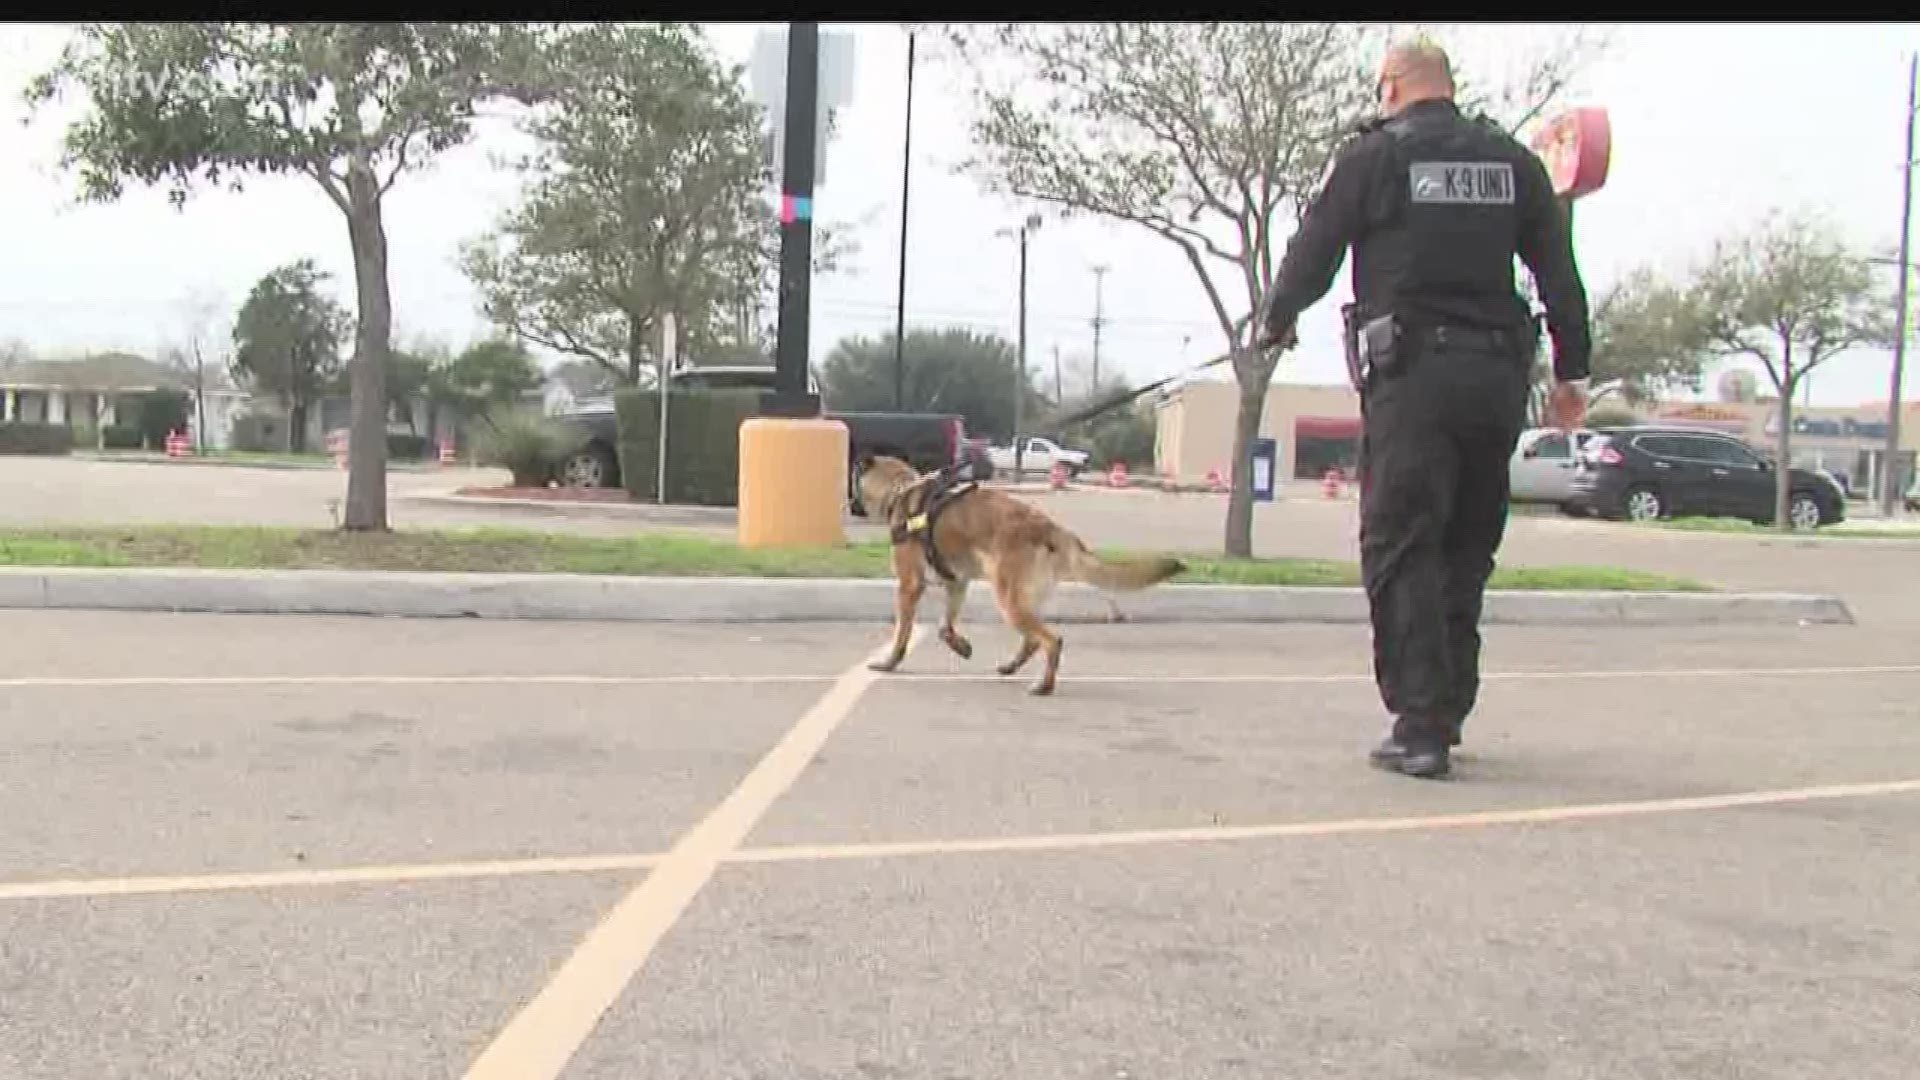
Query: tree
{"type": "Point", "coordinates": [943, 371]}
{"type": "Point", "coordinates": [188, 352]}
{"type": "Point", "coordinates": [644, 199]}
{"type": "Point", "coordinates": [350, 105]}
{"type": "Point", "coordinates": [1792, 295]}
{"type": "Point", "coordinates": [1200, 133]}
{"type": "Point", "coordinates": [287, 341]}
{"type": "Point", "coordinates": [488, 374]}
{"type": "Point", "coordinates": [1124, 434]}
{"type": "Point", "coordinates": [1645, 333]}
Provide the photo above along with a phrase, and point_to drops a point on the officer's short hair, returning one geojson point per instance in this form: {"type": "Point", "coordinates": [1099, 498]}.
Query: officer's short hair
{"type": "Point", "coordinates": [1422, 58]}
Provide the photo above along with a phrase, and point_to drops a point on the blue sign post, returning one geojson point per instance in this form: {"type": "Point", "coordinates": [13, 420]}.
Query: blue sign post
{"type": "Point", "coordinates": [1264, 460]}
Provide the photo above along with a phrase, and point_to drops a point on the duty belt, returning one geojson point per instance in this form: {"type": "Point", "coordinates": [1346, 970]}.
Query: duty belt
{"type": "Point", "coordinates": [1468, 337]}
{"type": "Point", "coordinates": [934, 494]}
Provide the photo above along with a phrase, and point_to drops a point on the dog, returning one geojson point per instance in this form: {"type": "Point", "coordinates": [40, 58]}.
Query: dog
{"type": "Point", "coordinates": [976, 533]}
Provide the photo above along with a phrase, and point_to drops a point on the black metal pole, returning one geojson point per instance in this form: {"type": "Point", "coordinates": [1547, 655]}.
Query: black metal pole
{"type": "Point", "coordinates": [900, 302]}
{"type": "Point", "coordinates": [790, 396]}
{"type": "Point", "coordinates": [1890, 469]}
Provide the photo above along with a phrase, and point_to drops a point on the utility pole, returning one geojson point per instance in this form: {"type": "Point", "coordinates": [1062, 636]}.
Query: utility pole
{"type": "Point", "coordinates": [1890, 470]}
{"type": "Point", "coordinates": [1056, 374]}
{"type": "Point", "coordinates": [900, 302]}
{"type": "Point", "coordinates": [1099, 319]}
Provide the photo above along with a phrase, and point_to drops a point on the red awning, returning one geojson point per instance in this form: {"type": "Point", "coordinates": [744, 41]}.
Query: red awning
{"type": "Point", "coordinates": [1326, 427]}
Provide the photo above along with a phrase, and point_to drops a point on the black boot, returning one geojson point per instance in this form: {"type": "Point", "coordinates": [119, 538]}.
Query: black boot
{"type": "Point", "coordinates": [1425, 762]}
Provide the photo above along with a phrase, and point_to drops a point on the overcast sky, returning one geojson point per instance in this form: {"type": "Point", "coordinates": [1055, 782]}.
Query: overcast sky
{"type": "Point", "coordinates": [1713, 125]}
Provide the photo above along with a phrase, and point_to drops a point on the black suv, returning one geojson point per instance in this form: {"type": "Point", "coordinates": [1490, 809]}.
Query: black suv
{"type": "Point", "coordinates": [1646, 472]}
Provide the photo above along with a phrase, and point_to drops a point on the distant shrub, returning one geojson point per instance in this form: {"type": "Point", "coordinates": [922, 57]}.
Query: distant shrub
{"type": "Point", "coordinates": [527, 444]}
{"type": "Point", "coordinates": [22, 437]}
{"type": "Point", "coordinates": [1612, 416]}
{"type": "Point", "coordinates": [121, 437]}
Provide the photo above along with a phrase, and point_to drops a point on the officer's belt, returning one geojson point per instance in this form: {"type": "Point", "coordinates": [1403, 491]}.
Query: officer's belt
{"type": "Point", "coordinates": [1465, 337]}
{"type": "Point", "coordinates": [920, 507]}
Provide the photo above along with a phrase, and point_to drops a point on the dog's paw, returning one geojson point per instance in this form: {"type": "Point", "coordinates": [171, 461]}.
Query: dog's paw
{"type": "Point", "coordinates": [1041, 690]}
{"type": "Point", "coordinates": [961, 646]}
{"type": "Point", "coordinates": [883, 665]}
{"type": "Point", "coordinates": [1007, 668]}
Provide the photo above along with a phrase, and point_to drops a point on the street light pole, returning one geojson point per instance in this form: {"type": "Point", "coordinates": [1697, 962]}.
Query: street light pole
{"type": "Point", "coordinates": [900, 302]}
{"type": "Point", "coordinates": [790, 397]}
{"type": "Point", "coordinates": [1020, 383]}
{"type": "Point", "coordinates": [1890, 470]}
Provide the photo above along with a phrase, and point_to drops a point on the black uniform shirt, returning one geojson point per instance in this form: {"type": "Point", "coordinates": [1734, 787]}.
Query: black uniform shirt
{"type": "Point", "coordinates": [1364, 202]}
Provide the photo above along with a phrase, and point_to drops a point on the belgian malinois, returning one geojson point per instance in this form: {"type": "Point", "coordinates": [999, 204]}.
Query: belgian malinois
{"type": "Point", "coordinates": [985, 534]}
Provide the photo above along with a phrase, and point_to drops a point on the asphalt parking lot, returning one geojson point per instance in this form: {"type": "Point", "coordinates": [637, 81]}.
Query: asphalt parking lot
{"type": "Point", "coordinates": [306, 848]}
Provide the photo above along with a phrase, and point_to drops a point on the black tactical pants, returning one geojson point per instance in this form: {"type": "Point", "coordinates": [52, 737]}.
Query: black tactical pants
{"type": "Point", "coordinates": [1435, 445]}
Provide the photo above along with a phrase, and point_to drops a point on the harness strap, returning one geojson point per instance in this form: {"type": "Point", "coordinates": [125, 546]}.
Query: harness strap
{"type": "Point", "coordinates": [934, 494]}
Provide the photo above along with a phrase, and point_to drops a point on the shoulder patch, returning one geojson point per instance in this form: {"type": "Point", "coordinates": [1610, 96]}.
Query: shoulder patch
{"type": "Point", "coordinates": [1473, 183]}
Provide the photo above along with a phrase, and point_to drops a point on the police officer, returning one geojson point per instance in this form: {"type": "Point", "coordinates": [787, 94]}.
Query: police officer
{"type": "Point", "coordinates": [1435, 206]}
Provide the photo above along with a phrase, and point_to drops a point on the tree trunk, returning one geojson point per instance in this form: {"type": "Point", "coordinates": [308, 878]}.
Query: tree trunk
{"type": "Point", "coordinates": [636, 347]}
{"type": "Point", "coordinates": [1252, 374]}
{"type": "Point", "coordinates": [366, 509]}
{"type": "Point", "coordinates": [1783, 465]}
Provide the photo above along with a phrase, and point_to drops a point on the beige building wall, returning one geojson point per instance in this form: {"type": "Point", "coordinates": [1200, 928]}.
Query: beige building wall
{"type": "Point", "coordinates": [1193, 429]}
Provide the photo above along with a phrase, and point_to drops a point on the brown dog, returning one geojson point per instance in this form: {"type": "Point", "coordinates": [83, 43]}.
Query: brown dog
{"type": "Point", "coordinates": [990, 535]}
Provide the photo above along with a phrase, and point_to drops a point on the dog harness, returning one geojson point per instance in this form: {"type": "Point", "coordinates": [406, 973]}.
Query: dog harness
{"type": "Point", "coordinates": [921, 505]}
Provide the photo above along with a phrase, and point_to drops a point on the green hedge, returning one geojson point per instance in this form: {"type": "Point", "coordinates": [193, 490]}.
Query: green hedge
{"type": "Point", "coordinates": [122, 437]}
{"type": "Point", "coordinates": [703, 443]}
{"type": "Point", "coordinates": [22, 437]}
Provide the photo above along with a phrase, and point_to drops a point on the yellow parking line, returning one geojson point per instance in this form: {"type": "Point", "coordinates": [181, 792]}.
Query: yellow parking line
{"type": "Point", "coordinates": [349, 875]}
{"type": "Point", "coordinates": [794, 853]}
{"type": "Point", "coordinates": [1539, 815]}
{"type": "Point", "coordinates": [543, 1036]}
{"type": "Point", "coordinates": [83, 682]}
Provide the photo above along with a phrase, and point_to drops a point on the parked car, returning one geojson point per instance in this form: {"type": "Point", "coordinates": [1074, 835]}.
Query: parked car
{"type": "Point", "coordinates": [1652, 471]}
{"type": "Point", "coordinates": [1039, 456]}
{"type": "Point", "coordinates": [1541, 469]}
{"type": "Point", "coordinates": [924, 440]}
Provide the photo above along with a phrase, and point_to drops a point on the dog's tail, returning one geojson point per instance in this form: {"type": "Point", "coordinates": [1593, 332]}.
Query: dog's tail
{"type": "Point", "coordinates": [1113, 576]}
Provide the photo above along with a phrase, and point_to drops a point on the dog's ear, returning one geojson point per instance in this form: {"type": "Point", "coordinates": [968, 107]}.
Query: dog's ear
{"type": "Point", "coordinates": [862, 462]}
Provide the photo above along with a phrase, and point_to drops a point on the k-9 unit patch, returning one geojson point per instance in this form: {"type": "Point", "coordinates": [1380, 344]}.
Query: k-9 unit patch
{"type": "Point", "coordinates": [1483, 183]}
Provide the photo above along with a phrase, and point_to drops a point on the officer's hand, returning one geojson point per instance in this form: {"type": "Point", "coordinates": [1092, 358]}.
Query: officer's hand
{"type": "Point", "coordinates": [1567, 405]}
{"type": "Point", "coordinates": [1285, 339]}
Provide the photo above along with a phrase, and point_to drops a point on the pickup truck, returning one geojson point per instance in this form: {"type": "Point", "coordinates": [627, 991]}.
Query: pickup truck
{"type": "Point", "coordinates": [924, 440]}
{"type": "Point", "coordinates": [1039, 457]}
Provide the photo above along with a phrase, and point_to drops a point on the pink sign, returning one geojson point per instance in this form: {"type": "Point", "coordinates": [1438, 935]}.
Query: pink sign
{"type": "Point", "coordinates": [1576, 147]}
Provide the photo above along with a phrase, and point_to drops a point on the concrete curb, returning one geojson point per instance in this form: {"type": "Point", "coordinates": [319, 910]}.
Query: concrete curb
{"type": "Point", "coordinates": [688, 599]}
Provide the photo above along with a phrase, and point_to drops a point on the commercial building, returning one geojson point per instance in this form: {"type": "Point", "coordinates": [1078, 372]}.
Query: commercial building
{"type": "Point", "coordinates": [1317, 426]}
{"type": "Point", "coordinates": [1314, 427]}
{"type": "Point", "coordinates": [1850, 443]}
